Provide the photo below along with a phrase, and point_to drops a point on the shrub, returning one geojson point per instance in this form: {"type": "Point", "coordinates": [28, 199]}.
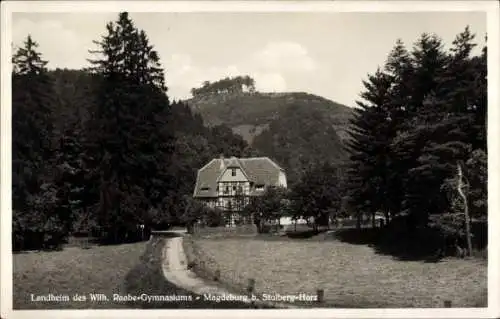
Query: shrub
{"type": "Point", "coordinates": [214, 217]}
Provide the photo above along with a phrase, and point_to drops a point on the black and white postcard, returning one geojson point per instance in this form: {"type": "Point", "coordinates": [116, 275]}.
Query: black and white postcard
{"type": "Point", "coordinates": [268, 159]}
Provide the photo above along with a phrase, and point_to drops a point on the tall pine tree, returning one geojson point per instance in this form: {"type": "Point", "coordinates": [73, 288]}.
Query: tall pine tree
{"type": "Point", "coordinates": [131, 142]}
{"type": "Point", "coordinates": [429, 63]}
{"type": "Point", "coordinates": [451, 145]}
{"type": "Point", "coordinates": [371, 135]}
{"type": "Point", "coordinates": [37, 219]}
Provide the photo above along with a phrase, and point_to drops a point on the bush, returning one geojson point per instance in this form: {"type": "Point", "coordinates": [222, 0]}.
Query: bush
{"type": "Point", "coordinates": [214, 218]}
{"type": "Point", "coordinates": [43, 221]}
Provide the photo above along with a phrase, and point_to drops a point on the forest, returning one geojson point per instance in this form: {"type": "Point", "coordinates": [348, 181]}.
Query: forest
{"type": "Point", "coordinates": [104, 152]}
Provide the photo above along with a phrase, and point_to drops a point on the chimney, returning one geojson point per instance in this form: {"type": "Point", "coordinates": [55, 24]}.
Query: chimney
{"type": "Point", "coordinates": [221, 157]}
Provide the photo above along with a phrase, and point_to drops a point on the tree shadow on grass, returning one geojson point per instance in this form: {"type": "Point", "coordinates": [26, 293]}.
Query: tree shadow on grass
{"type": "Point", "coordinates": [304, 234]}
{"type": "Point", "coordinates": [424, 244]}
{"type": "Point", "coordinates": [290, 235]}
{"type": "Point", "coordinates": [398, 240]}
{"type": "Point", "coordinates": [386, 243]}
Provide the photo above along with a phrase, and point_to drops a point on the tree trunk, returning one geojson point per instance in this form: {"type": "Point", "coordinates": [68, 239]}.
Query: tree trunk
{"type": "Point", "coordinates": [466, 210]}
{"type": "Point", "coordinates": [358, 221]}
{"type": "Point", "coordinates": [374, 224]}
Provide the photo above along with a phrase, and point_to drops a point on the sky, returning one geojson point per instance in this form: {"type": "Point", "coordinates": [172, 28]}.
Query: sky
{"type": "Point", "coordinates": [328, 54]}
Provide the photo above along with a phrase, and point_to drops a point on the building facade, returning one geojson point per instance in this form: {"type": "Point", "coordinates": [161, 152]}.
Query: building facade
{"type": "Point", "coordinates": [229, 183]}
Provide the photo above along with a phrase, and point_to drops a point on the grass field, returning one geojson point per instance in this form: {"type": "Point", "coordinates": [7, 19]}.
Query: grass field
{"type": "Point", "coordinates": [127, 269]}
{"type": "Point", "coordinates": [351, 275]}
{"type": "Point", "coordinates": [100, 269]}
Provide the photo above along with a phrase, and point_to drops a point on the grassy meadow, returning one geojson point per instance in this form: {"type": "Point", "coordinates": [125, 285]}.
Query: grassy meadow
{"type": "Point", "coordinates": [99, 269]}
{"type": "Point", "coordinates": [126, 269]}
{"type": "Point", "coordinates": [351, 275]}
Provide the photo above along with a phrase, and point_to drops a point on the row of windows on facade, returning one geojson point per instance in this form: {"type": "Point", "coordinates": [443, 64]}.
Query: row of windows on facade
{"type": "Point", "coordinates": [228, 204]}
{"type": "Point", "coordinates": [232, 205]}
{"type": "Point", "coordinates": [235, 186]}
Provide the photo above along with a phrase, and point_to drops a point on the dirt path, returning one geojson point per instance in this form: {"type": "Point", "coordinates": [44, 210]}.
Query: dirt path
{"type": "Point", "coordinates": [174, 267]}
{"type": "Point", "coordinates": [175, 270]}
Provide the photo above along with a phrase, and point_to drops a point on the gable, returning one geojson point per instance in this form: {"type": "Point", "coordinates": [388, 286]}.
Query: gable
{"type": "Point", "coordinates": [227, 175]}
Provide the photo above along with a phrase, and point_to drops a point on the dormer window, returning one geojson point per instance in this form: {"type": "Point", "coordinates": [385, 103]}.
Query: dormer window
{"type": "Point", "coordinates": [204, 189]}
{"type": "Point", "coordinates": [233, 171]}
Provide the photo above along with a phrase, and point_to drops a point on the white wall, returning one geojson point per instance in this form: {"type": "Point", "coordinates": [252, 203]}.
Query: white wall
{"type": "Point", "coordinates": [282, 179]}
{"type": "Point", "coordinates": [288, 221]}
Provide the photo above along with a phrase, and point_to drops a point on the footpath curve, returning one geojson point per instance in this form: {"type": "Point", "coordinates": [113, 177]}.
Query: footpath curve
{"type": "Point", "coordinates": [174, 267]}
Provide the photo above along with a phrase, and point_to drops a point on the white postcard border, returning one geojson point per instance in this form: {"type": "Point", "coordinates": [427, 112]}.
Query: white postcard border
{"type": "Point", "coordinates": [492, 9]}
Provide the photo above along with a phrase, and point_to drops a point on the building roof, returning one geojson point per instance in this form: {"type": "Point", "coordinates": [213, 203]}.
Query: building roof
{"type": "Point", "coordinates": [259, 170]}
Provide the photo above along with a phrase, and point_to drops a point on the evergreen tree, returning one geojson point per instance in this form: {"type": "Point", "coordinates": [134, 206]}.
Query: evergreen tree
{"type": "Point", "coordinates": [444, 127]}
{"type": "Point", "coordinates": [452, 143]}
{"type": "Point", "coordinates": [28, 61]}
{"type": "Point", "coordinates": [76, 91]}
{"type": "Point", "coordinates": [130, 143]}
{"type": "Point", "coordinates": [71, 178]}
{"type": "Point", "coordinates": [479, 103]}
{"type": "Point", "coordinates": [36, 220]}
{"type": "Point", "coordinates": [429, 63]}
{"type": "Point", "coordinates": [399, 68]}
{"type": "Point", "coordinates": [371, 136]}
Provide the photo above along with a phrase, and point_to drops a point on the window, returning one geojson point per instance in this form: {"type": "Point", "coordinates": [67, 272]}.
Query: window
{"type": "Point", "coordinates": [233, 171]}
{"type": "Point", "coordinates": [259, 187]}
{"type": "Point", "coordinates": [204, 189]}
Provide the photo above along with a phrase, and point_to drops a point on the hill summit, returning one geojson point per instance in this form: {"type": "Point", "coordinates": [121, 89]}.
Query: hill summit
{"type": "Point", "coordinates": [250, 113]}
{"type": "Point", "coordinates": [294, 128]}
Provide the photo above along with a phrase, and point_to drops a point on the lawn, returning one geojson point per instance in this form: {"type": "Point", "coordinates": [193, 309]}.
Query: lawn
{"type": "Point", "coordinates": [351, 275]}
{"type": "Point", "coordinates": [127, 269]}
{"type": "Point", "coordinates": [100, 269]}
